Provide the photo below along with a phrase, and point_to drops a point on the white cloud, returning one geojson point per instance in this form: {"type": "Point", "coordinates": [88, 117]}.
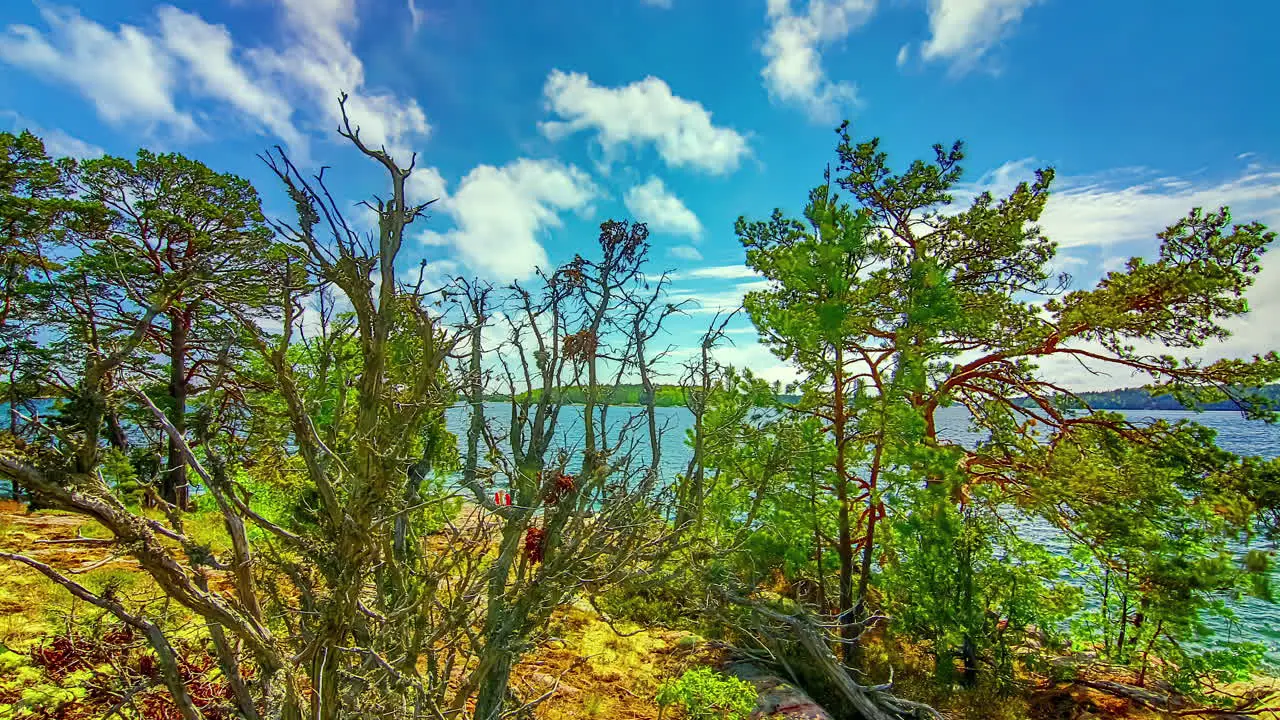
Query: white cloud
{"type": "Point", "coordinates": [1256, 332]}
{"type": "Point", "coordinates": [685, 252]}
{"type": "Point", "coordinates": [208, 52]}
{"type": "Point", "coordinates": [317, 61]}
{"type": "Point", "coordinates": [1132, 204]}
{"type": "Point", "coordinates": [124, 73]}
{"type": "Point", "coordinates": [1114, 263]}
{"type": "Point", "coordinates": [132, 75]}
{"type": "Point", "coordinates": [793, 72]}
{"type": "Point", "coordinates": [1120, 212]}
{"type": "Point", "coordinates": [758, 359]}
{"type": "Point", "coordinates": [426, 184]}
{"type": "Point", "coordinates": [664, 4]}
{"type": "Point", "coordinates": [904, 54]}
{"type": "Point", "coordinates": [652, 203]}
{"type": "Point", "coordinates": [499, 213]}
{"type": "Point", "coordinates": [708, 302]}
{"type": "Point", "coordinates": [720, 272]}
{"type": "Point", "coordinates": [646, 111]}
{"type": "Point", "coordinates": [1093, 215]}
{"type": "Point", "coordinates": [962, 31]}
{"type": "Point", "coordinates": [743, 353]}
{"type": "Point", "coordinates": [57, 143]}
{"type": "Point", "coordinates": [416, 16]}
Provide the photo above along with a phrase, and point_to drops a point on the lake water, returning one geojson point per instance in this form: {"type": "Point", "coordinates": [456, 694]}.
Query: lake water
{"type": "Point", "coordinates": [1259, 620]}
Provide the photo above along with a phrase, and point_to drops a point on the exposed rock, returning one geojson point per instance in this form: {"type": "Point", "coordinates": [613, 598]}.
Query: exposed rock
{"type": "Point", "coordinates": [778, 698]}
{"type": "Point", "coordinates": [545, 681]}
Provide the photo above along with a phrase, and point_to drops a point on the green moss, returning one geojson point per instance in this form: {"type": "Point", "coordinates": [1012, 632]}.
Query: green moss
{"type": "Point", "coordinates": [11, 661]}
{"type": "Point", "coordinates": [21, 678]}
{"type": "Point", "coordinates": [49, 698]}
{"type": "Point", "coordinates": [688, 642]}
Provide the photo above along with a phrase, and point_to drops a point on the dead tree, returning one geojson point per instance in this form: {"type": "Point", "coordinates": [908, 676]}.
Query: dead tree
{"type": "Point", "coordinates": [570, 527]}
{"type": "Point", "coordinates": [701, 373]}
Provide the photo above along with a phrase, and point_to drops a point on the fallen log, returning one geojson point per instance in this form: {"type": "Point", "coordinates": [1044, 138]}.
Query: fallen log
{"type": "Point", "coordinates": [1174, 705]}
{"type": "Point", "coordinates": [1142, 696]}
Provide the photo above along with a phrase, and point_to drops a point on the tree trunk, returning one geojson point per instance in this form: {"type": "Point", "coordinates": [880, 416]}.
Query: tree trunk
{"type": "Point", "coordinates": [691, 489]}
{"type": "Point", "coordinates": [117, 438]}
{"type": "Point", "coordinates": [493, 688]}
{"type": "Point", "coordinates": [418, 473]}
{"type": "Point", "coordinates": [852, 632]}
{"type": "Point", "coordinates": [1124, 620]}
{"type": "Point", "coordinates": [864, 572]}
{"type": "Point", "coordinates": [173, 485]}
{"type": "Point", "coordinates": [874, 510]}
{"type": "Point", "coordinates": [324, 677]}
{"type": "Point", "coordinates": [1106, 599]}
{"type": "Point", "coordinates": [817, 543]}
{"type": "Point", "coordinates": [493, 675]}
{"type": "Point", "coordinates": [969, 662]}
{"type": "Point", "coordinates": [848, 633]}
{"type": "Point", "coordinates": [229, 665]}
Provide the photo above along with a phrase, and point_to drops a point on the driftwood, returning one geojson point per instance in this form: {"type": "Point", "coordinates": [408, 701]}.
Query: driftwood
{"type": "Point", "coordinates": [1142, 696]}
{"type": "Point", "coordinates": [778, 698]}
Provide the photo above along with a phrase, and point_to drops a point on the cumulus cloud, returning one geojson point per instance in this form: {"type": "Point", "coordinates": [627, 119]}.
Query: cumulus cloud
{"type": "Point", "coordinates": [134, 75]}
{"type": "Point", "coordinates": [127, 75]}
{"type": "Point", "coordinates": [742, 351]}
{"type": "Point", "coordinates": [60, 144]}
{"type": "Point", "coordinates": [758, 359]}
{"type": "Point", "coordinates": [963, 31]}
{"type": "Point", "coordinates": [208, 53]}
{"type": "Point", "coordinates": [426, 184]}
{"type": "Point", "coordinates": [317, 61]}
{"type": "Point", "coordinates": [644, 112]}
{"type": "Point", "coordinates": [652, 203]}
{"type": "Point", "coordinates": [793, 71]}
{"type": "Point", "coordinates": [499, 214]}
{"type": "Point", "coordinates": [1108, 216]}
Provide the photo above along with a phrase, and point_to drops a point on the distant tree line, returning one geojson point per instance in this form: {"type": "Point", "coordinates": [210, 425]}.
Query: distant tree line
{"type": "Point", "coordinates": [625, 394]}
{"type": "Point", "coordinates": [1142, 399]}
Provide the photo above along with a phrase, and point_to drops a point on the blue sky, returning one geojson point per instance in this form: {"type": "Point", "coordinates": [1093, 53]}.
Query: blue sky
{"type": "Point", "coordinates": [537, 120]}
